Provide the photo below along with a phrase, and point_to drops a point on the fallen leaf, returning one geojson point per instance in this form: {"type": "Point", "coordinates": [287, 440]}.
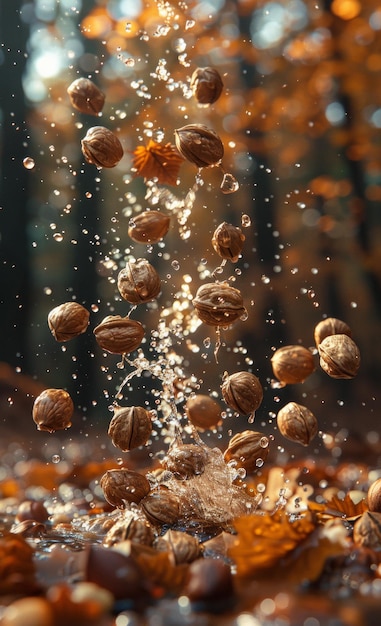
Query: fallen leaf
{"type": "Point", "coordinates": [264, 539]}
{"type": "Point", "coordinates": [157, 160]}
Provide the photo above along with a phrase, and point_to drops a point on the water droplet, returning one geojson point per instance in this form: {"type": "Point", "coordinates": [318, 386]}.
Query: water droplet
{"type": "Point", "coordinates": [245, 221]}
{"type": "Point", "coordinates": [56, 458]}
{"type": "Point", "coordinates": [229, 183]}
{"type": "Point", "coordinates": [28, 163]}
{"type": "Point", "coordinates": [58, 237]}
{"type": "Point", "coordinates": [207, 342]}
{"type": "Point", "coordinates": [176, 265]}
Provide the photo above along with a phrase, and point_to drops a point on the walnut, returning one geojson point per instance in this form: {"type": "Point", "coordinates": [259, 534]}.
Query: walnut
{"type": "Point", "coordinates": [53, 410]}
{"type": "Point", "coordinates": [101, 147]}
{"type": "Point", "coordinates": [367, 530]}
{"type": "Point", "coordinates": [330, 326]}
{"type": "Point", "coordinates": [139, 282]}
{"type": "Point", "coordinates": [130, 427]}
{"type": "Point", "coordinates": [249, 449]}
{"type": "Point", "coordinates": [68, 320]}
{"type": "Point", "coordinates": [242, 392]}
{"type": "Point", "coordinates": [374, 496]}
{"type": "Point", "coordinates": [161, 506]}
{"type": "Point", "coordinates": [185, 460]}
{"type": "Point", "coordinates": [297, 423]}
{"type": "Point", "coordinates": [227, 241]}
{"type": "Point", "coordinates": [199, 144]}
{"type": "Point", "coordinates": [203, 411]}
{"type": "Point", "coordinates": [219, 304]}
{"type": "Point", "coordinates": [130, 527]}
{"type": "Point", "coordinates": [149, 227]}
{"type": "Point", "coordinates": [123, 485]}
{"type": "Point", "coordinates": [184, 548]}
{"type": "Point", "coordinates": [292, 364]}
{"type": "Point", "coordinates": [119, 335]}
{"type": "Point", "coordinates": [339, 356]}
{"type": "Point", "coordinates": [206, 84]}
{"type": "Point", "coordinates": [85, 96]}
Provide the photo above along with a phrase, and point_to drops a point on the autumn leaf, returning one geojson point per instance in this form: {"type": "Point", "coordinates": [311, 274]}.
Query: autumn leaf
{"type": "Point", "coordinates": [343, 508]}
{"type": "Point", "coordinates": [265, 539]}
{"type": "Point", "coordinates": [156, 160]}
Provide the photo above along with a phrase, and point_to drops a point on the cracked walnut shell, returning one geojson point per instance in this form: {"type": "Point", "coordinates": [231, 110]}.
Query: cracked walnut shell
{"type": "Point", "coordinates": [68, 320]}
{"type": "Point", "coordinates": [130, 427]}
{"type": "Point", "coordinates": [242, 392]}
{"type": "Point", "coordinates": [219, 304]}
{"type": "Point", "coordinates": [101, 147]}
{"type": "Point", "coordinates": [297, 423]}
{"type": "Point", "coordinates": [119, 335]}
{"type": "Point", "coordinates": [139, 282]}
{"type": "Point", "coordinates": [53, 410]}
{"type": "Point", "coordinates": [85, 96]}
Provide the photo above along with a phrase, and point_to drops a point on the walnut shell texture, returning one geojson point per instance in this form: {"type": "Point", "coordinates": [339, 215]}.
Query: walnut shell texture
{"type": "Point", "coordinates": [123, 485]}
{"type": "Point", "coordinates": [139, 282]}
{"type": "Point", "coordinates": [130, 427]}
{"type": "Point", "coordinates": [203, 411]}
{"type": "Point", "coordinates": [119, 335]}
{"type": "Point", "coordinates": [53, 410]}
{"type": "Point", "coordinates": [85, 96]}
{"type": "Point", "coordinates": [227, 241]}
{"type": "Point", "coordinates": [330, 326]}
{"type": "Point", "coordinates": [68, 320]}
{"type": "Point", "coordinates": [149, 227]}
{"type": "Point", "coordinates": [199, 144]}
{"type": "Point", "coordinates": [101, 147]}
{"type": "Point", "coordinates": [297, 423]}
{"type": "Point", "coordinates": [339, 356]}
{"type": "Point", "coordinates": [219, 304]}
{"type": "Point", "coordinates": [248, 449]}
{"type": "Point", "coordinates": [292, 364]}
{"type": "Point", "coordinates": [206, 84]}
{"type": "Point", "coordinates": [242, 392]}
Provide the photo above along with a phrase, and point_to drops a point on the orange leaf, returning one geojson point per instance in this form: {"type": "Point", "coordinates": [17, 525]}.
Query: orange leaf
{"type": "Point", "coordinates": [343, 507]}
{"type": "Point", "coordinates": [156, 160]}
{"type": "Point", "coordinates": [264, 539]}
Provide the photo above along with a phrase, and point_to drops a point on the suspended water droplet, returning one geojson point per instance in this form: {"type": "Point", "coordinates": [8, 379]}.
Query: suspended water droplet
{"type": "Point", "coordinates": [245, 221]}
{"type": "Point", "coordinates": [207, 342]}
{"type": "Point", "coordinates": [229, 183]}
{"type": "Point", "coordinates": [176, 265]}
{"type": "Point", "coordinates": [56, 458]}
{"type": "Point", "coordinates": [58, 237]}
{"type": "Point", "coordinates": [28, 163]}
